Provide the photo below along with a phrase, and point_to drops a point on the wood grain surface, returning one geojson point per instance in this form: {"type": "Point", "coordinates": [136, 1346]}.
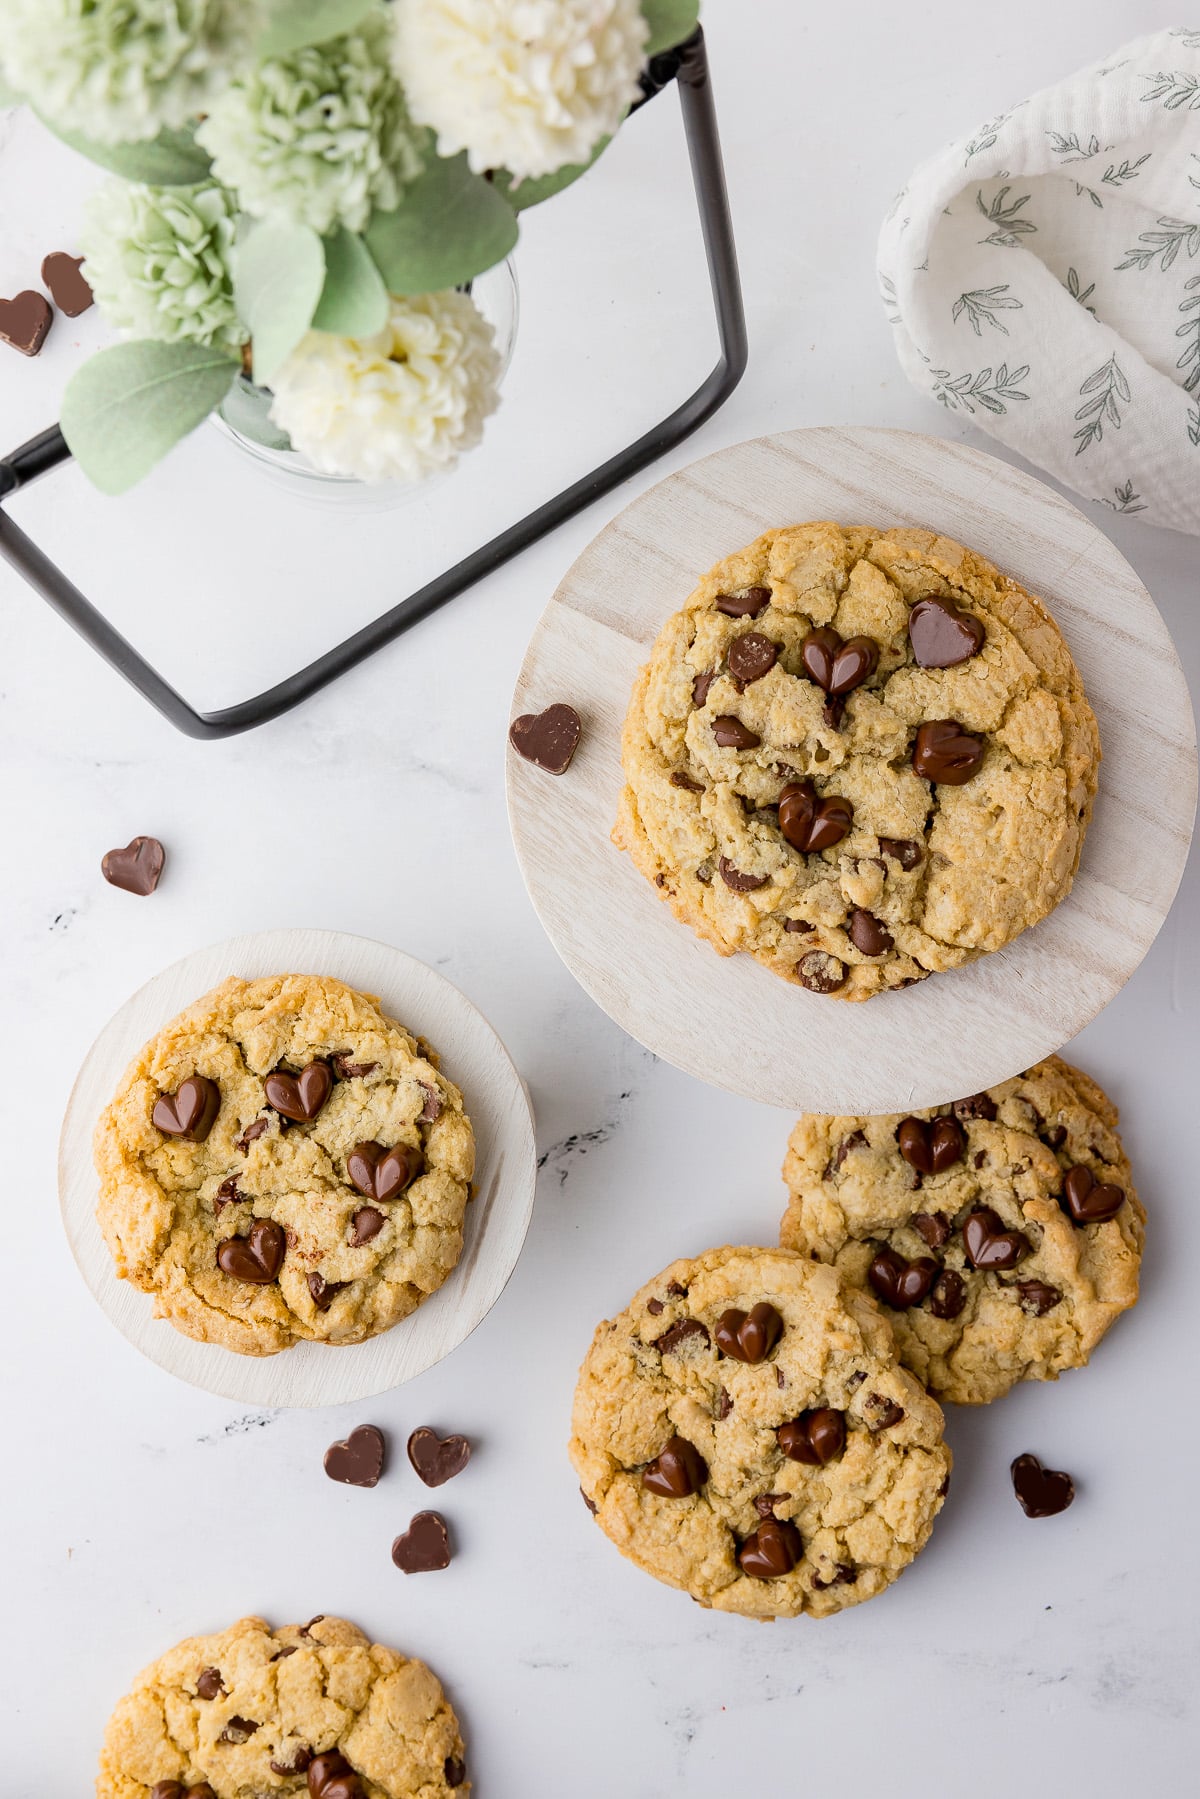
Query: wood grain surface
{"type": "Point", "coordinates": [728, 1020]}
{"type": "Point", "coordinates": [497, 1104]}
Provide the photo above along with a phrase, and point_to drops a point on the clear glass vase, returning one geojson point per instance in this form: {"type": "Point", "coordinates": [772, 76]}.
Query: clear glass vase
{"type": "Point", "coordinates": [243, 418]}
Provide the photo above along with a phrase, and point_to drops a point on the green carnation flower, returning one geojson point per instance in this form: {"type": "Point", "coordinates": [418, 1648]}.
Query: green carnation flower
{"type": "Point", "coordinates": [159, 260]}
{"type": "Point", "coordinates": [120, 70]}
{"type": "Point", "coordinates": [320, 137]}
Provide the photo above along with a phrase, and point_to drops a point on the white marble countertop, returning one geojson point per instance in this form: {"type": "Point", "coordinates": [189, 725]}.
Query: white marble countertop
{"type": "Point", "coordinates": [136, 1510]}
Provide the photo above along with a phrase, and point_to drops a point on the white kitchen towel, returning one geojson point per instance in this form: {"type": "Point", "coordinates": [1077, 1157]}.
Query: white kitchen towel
{"type": "Point", "coordinates": [1043, 279]}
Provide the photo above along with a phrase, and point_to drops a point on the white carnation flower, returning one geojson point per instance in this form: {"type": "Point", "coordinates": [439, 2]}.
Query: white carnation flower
{"type": "Point", "coordinates": [121, 70]}
{"type": "Point", "coordinates": [524, 85]}
{"type": "Point", "coordinates": [396, 406]}
{"type": "Point", "coordinates": [321, 136]}
{"type": "Point", "coordinates": [159, 261]}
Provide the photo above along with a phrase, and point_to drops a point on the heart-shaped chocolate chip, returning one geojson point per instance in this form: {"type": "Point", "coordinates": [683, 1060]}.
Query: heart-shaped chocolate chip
{"type": "Point", "coordinates": [257, 1257]}
{"type": "Point", "coordinates": [744, 605]}
{"type": "Point", "coordinates": [750, 657]}
{"type": "Point", "coordinates": [25, 322]}
{"type": "Point", "coordinates": [425, 1545]}
{"type": "Point", "coordinates": [382, 1174]}
{"type": "Point", "coordinates": [810, 824]}
{"type": "Point", "coordinates": [989, 1245]}
{"type": "Point", "coordinates": [330, 1776]}
{"type": "Point", "coordinates": [900, 1283]}
{"type": "Point", "coordinates": [191, 1111]}
{"type": "Point", "coordinates": [437, 1459]}
{"type": "Point", "coordinates": [69, 288]}
{"type": "Point", "coordinates": [677, 1471]}
{"type": "Point", "coordinates": [1043, 1492]}
{"type": "Point", "coordinates": [547, 739]}
{"type": "Point", "coordinates": [137, 868]}
{"type": "Point", "coordinates": [299, 1096]}
{"type": "Point", "coordinates": [816, 1437]}
{"type": "Point", "coordinates": [730, 733]}
{"type": "Point", "coordinates": [868, 934]}
{"type": "Point", "coordinates": [941, 635]}
{"type": "Point", "coordinates": [1088, 1200]}
{"type": "Point", "coordinates": [838, 666]}
{"type": "Point", "coordinates": [749, 1336]}
{"type": "Point", "coordinates": [945, 753]}
{"type": "Point", "coordinates": [771, 1550]}
{"type": "Point", "coordinates": [365, 1224]}
{"type": "Point", "coordinates": [358, 1460]}
{"type": "Point", "coordinates": [931, 1144]}
{"type": "Point", "coordinates": [735, 878]}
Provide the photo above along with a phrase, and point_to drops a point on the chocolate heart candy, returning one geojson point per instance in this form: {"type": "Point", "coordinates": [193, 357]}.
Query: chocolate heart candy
{"type": "Point", "coordinates": [771, 1550]}
{"type": "Point", "coordinates": [257, 1257]}
{"type": "Point", "coordinates": [941, 635]}
{"type": "Point", "coordinates": [815, 1437]}
{"type": "Point", "coordinates": [382, 1174]}
{"type": "Point", "coordinates": [137, 868]}
{"type": "Point", "coordinates": [299, 1096]}
{"type": "Point", "coordinates": [190, 1111]}
{"type": "Point", "coordinates": [547, 739]}
{"type": "Point", "coordinates": [677, 1471]}
{"type": "Point", "coordinates": [945, 753]}
{"type": "Point", "coordinates": [989, 1245]}
{"type": "Point", "coordinates": [1088, 1200]}
{"type": "Point", "coordinates": [437, 1459]}
{"type": "Point", "coordinates": [69, 288]}
{"type": "Point", "coordinates": [358, 1460]}
{"type": "Point", "coordinates": [835, 665]}
{"type": "Point", "coordinates": [900, 1283]}
{"type": "Point", "coordinates": [868, 934]}
{"type": "Point", "coordinates": [749, 1336]}
{"type": "Point", "coordinates": [734, 877]}
{"type": "Point", "coordinates": [1042, 1491]}
{"type": "Point", "coordinates": [744, 605]}
{"type": "Point", "coordinates": [25, 322]}
{"type": "Point", "coordinates": [330, 1776]}
{"type": "Point", "coordinates": [731, 734]}
{"type": "Point", "coordinates": [810, 824]}
{"type": "Point", "coordinates": [931, 1144]}
{"type": "Point", "coordinates": [365, 1224]}
{"type": "Point", "coordinates": [750, 657]}
{"type": "Point", "coordinates": [425, 1545]}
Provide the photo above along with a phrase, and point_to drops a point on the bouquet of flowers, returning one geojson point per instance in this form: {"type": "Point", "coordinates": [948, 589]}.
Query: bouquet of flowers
{"type": "Point", "coordinates": [303, 192]}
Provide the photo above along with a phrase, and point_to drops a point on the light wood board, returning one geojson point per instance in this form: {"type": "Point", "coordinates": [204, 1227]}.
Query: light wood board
{"type": "Point", "coordinates": [473, 1057]}
{"type": "Point", "coordinates": [728, 1020]}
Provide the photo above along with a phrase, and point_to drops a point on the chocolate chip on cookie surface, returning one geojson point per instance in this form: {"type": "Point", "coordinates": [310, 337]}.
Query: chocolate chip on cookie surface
{"type": "Point", "coordinates": [236, 1156]}
{"type": "Point", "coordinates": [977, 1227]}
{"type": "Point", "coordinates": [868, 728]}
{"type": "Point", "coordinates": [743, 1431]}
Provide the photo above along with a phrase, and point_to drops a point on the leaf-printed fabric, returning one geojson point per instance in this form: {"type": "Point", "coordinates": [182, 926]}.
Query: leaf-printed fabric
{"type": "Point", "coordinates": [1042, 278]}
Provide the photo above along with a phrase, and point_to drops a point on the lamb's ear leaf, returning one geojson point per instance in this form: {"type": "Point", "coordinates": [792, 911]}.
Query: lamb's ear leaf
{"type": "Point", "coordinates": [126, 407]}
{"type": "Point", "coordinates": [537, 188]}
{"type": "Point", "coordinates": [670, 22]}
{"type": "Point", "coordinates": [354, 301]}
{"type": "Point", "coordinates": [172, 159]}
{"type": "Point", "coordinates": [295, 23]}
{"type": "Point", "coordinates": [449, 227]}
{"type": "Point", "coordinates": [278, 274]}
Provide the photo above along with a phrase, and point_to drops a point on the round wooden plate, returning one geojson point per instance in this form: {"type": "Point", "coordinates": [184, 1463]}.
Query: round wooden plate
{"type": "Point", "coordinates": [730, 1021]}
{"type": "Point", "coordinates": [473, 1057]}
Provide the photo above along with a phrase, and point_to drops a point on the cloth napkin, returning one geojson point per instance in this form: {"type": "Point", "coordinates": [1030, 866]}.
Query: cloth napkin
{"type": "Point", "coordinates": [1043, 279]}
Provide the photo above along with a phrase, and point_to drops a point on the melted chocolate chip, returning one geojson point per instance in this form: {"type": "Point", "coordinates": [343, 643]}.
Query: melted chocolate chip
{"type": "Point", "coordinates": [820, 972]}
{"type": "Point", "coordinates": [677, 1471]}
{"type": "Point", "coordinates": [701, 685]}
{"type": "Point", "coordinates": [868, 934]}
{"type": "Point", "coordinates": [1042, 1492]}
{"type": "Point", "coordinates": [228, 1194]}
{"type": "Point", "coordinates": [679, 779]}
{"type": "Point", "coordinates": [346, 1070]}
{"type": "Point", "coordinates": [654, 1307]}
{"type": "Point", "coordinates": [731, 734]}
{"type": "Point", "coordinates": [842, 1575]}
{"type": "Point", "coordinates": [884, 1413]}
{"type": "Point", "coordinates": [431, 1111]}
{"type": "Point", "coordinates": [949, 1294]}
{"type": "Point", "coordinates": [252, 1133]}
{"type": "Point", "coordinates": [687, 1331]}
{"type": "Point", "coordinates": [300, 1758]}
{"type": "Point", "coordinates": [800, 925]}
{"type": "Point", "coordinates": [902, 850]}
{"type": "Point", "coordinates": [454, 1771]}
{"type": "Point", "coordinates": [744, 605]}
{"type": "Point", "coordinates": [1037, 1297]}
{"type": "Point", "coordinates": [740, 883]}
{"type": "Point", "coordinates": [934, 1227]}
{"type": "Point", "coordinates": [750, 657]}
{"type": "Point", "coordinates": [979, 1105]}
{"type": "Point", "coordinates": [238, 1730]}
{"type": "Point", "coordinates": [365, 1224]}
{"type": "Point", "coordinates": [724, 1404]}
{"type": "Point", "coordinates": [591, 1505]}
{"type": "Point", "coordinates": [323, 1292]}
{"type": "Point", "coordinates": [382, 1174]}
{"type": "Point", "coordinates": [209, 1684]}
{"type": "Point", "coordinates": [765, 1503]}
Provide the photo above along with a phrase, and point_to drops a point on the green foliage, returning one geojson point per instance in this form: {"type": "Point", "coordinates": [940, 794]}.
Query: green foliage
{"type": "Point", "coordinates": [129, 405]}
{"type": "Point", "coordinates": [172, 159]}
{"type": "Point", "coordinates": [450, 226]}
{"type": "Point", "coordinates": [670, 22]}
{"type": "Point", "coordinates": [295, 23]}
{"type": "Point", "coordinates": [247, 409]}
{"type": "Point", "coordinates": [543, 187]}
{"type": "Point", "coordinates": [354, 301]}
{"type": "Point", "coordinates": [278, 275]}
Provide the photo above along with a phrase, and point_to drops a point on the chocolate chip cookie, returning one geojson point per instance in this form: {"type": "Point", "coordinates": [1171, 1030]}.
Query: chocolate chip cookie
{"type": "Point", "coordinates": [1002, 1235]}
{"type": "Point", "coordinates": [744, 1431]}
{"type": "Point", "coordinates": [861, 756]}
{"type": "Point", "coordinates": [312, 1709]}
{"type": "Point", "coordinates": [284, 1163]}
